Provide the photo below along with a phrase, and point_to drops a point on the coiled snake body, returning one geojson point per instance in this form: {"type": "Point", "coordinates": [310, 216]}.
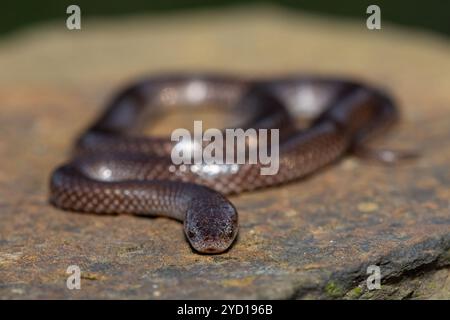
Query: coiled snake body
{"type": "Point", "coordinates": [117, 170]}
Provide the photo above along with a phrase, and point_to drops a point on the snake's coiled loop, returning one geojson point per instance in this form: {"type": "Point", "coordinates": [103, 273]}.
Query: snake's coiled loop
{"type": "Point", "coordinates": [116, 170]}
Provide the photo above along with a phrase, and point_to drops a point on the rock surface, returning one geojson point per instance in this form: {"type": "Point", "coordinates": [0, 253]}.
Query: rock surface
{"type": "Point", "coordinates": [310, 239]}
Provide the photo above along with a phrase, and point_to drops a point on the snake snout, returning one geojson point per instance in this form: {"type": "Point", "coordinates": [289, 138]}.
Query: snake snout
{"type": "Point", "coordinates": [206, 242]}
{"type": "Point", "coordinates": [212, 247]}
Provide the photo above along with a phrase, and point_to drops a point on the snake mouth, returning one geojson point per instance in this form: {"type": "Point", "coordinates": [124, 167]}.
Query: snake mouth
{"type": "Point", "coordinates": [212, 250]}
{"type": "Point", "coordinates": [211, 247]}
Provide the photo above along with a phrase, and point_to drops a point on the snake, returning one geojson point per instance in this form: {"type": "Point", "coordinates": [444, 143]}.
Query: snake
{"type": "Point", "coordinates": [115, 168]}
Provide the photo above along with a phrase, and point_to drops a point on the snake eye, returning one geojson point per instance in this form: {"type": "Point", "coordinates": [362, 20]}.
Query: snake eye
{"type": "Point", "coordinates": [191, 234]}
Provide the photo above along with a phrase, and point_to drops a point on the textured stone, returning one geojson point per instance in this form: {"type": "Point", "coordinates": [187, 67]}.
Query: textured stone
{"type": "Point", "coordinates": [310, 239]}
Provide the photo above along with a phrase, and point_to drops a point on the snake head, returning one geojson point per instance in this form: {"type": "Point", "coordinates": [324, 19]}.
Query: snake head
{"type": "Point", "coordinates": [211, 223]}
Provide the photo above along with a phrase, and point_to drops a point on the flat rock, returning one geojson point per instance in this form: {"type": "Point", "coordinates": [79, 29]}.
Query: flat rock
{"type": "Point", "coordinates": [310, 239]}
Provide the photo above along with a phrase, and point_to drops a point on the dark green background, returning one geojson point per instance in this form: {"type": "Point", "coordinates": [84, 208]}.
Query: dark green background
{"type": "Point", "coordinates": [430, 14]}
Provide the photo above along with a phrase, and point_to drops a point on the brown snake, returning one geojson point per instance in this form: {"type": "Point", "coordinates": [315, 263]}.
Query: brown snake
{"type": "Point", "coordinates": [138, 181]}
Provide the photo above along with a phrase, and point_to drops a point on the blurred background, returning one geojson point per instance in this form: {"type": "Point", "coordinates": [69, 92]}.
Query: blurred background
{"type": "Point", "coordinates": [431, 14]}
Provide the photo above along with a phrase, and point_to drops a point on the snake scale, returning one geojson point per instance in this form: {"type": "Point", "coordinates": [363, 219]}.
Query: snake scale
{"type": "Point", "coordinates": [116, 169]}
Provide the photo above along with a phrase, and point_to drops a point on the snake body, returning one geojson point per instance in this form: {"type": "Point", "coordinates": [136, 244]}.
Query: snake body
{"type": "Point", "coordinates": [116, 169]}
